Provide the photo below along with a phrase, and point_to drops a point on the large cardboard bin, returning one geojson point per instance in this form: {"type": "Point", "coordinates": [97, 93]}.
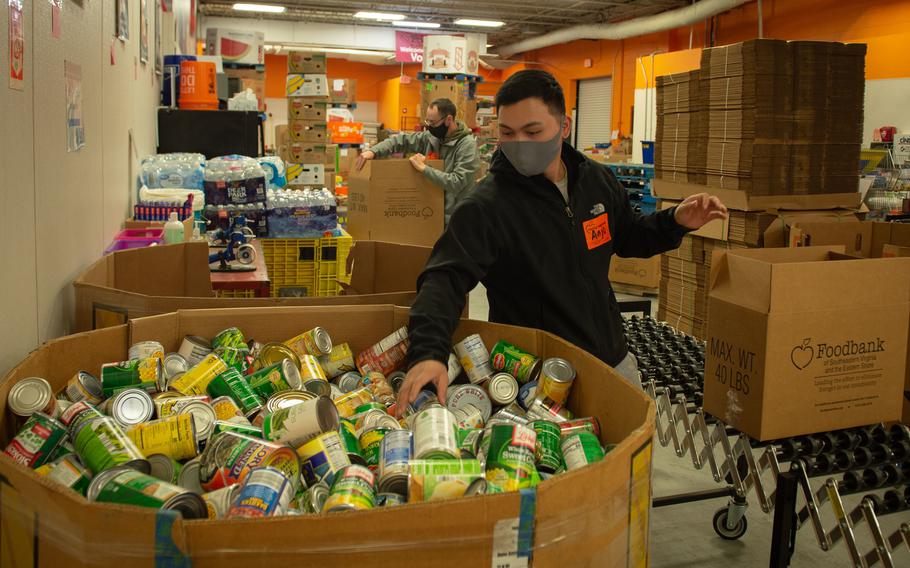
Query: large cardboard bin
{"type": "Point", "coordinates": [595, 516]}
{"type": "Point", "coordinates": [804, 340]}
{"type": "Point", "coordinates": [143, 282]}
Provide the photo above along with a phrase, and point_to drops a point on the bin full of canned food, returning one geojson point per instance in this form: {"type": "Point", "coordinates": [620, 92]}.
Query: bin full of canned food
{"type": "Point", "coordinates": [243, 432]}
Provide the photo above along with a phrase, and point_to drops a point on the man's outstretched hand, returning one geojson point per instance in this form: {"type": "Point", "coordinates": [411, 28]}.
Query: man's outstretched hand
{"type": "Point", "coordinates": [698, 210]}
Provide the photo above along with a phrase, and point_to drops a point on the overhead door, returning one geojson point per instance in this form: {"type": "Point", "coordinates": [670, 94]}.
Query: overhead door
{"type": "Point", "coordinates": [595, 102]}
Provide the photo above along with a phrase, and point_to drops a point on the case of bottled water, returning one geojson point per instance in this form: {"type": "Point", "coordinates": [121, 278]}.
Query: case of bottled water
{"type": "Point", "coordinates": [234, 180]}
{"type": "Point", "coordinates": [306, 213]}
{"type": "Point", "coordinates": [275, 172]}
{"type": "Point", "coordinates": [170, 171]}
{"type": "Point", "coordinates": [221, 216]}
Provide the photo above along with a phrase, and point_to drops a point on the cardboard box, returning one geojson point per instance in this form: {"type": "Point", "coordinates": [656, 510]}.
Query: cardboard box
{"type": "Point", "coordinates": [388, 200]}
{"type": "Point", "coordinates": [300, 175]}
{"type": "Point", "coordinates": [451, 54]}
{"type": "Point", "coordinates": [309, 85]}
{"type": "Point", "coordinates": [343, 91]}
{"type": "Point", "coordinates": [142, 282]}
{"type": "Point", "coordinates": [742, 201]}
{"type": "Point", "coordinates": [307, 62]}
{"type": "Point", "coordinates": [894, 251]}
{"type": "Point", "coordinates": [345, 132]}
{"type": "Point", "coordinates": [799, 342]}
{"type": "Point", "coordinates": [307, 108]}
{"type": "Point", "coordinates": [307, 153]}
{"type": "Point", "coordinates": [306, 131]}
{"type": "Point", "coordinates": [597, 515]}
{"type": "Point", "coordinates": [282, 135]}
{"type": "Point", "coordinates": [643, 272]}
{"type": "Point", "coordinates": [235, 46]}
{"type": "Point", "coordinates": [347, 159]}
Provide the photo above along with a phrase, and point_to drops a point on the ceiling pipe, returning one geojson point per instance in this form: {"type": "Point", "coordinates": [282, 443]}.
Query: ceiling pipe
{"type": "Point", "coordinates": [680, 17]}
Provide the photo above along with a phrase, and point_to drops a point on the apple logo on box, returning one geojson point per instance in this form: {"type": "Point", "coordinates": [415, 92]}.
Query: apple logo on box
{"type": "Point", "coordinates": [801, 355]}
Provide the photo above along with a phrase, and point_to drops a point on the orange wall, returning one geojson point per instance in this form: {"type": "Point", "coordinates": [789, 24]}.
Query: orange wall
{"type": "Point", "coordinates": [369, 77]}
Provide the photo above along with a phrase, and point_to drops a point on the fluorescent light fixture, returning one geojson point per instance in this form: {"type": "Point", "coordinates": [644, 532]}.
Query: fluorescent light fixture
{"type": "Point", "coordinates": [479, 23]}
{"type": "Point", "coordinates": [269, 8]}
{"type": "Point", "coordinates": [381, 16]}
{"type": "Point", "coordinates": [409, 24]}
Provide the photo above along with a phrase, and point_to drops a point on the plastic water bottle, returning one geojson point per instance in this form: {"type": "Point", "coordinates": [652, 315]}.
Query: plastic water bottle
{"type": "Point", "coordinates": [173, 230]}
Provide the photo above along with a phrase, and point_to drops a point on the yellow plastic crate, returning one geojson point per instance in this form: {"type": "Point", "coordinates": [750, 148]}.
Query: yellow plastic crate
{"type": "Point", "coordinates": [307, 267]}
{"type": "Point", "coordinates": [242, 293]}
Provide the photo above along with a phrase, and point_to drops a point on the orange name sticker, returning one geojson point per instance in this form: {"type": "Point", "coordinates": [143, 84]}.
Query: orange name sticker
{"type": "Point", "coordinates": [597, 231]}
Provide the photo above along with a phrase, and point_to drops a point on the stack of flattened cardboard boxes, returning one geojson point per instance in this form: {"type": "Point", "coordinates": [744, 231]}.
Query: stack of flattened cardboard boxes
{"type": "Point", "coordinates": [307, 89]}
{"type": "Point", "coordinates": [460, 92]}
{"type": "Point", "coordinates": [680, 151]}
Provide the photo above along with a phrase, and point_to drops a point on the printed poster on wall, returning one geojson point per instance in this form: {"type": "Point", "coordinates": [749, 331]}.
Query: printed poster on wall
{"type": "Point", "coordinates": [75, 126]}
{"type": "Point", "coordinates": [143, 31]}
{"type": "Point", "coordinates": [16, 46]}
{"type": "Point", "coordinates": [409, 47]}
{"type": "Point", "coordinates": [123, 20]}
{"type": "Point", "coordinates": [56, 15]}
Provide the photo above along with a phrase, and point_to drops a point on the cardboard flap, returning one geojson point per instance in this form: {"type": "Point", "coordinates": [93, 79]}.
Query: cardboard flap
{"type": "Point", "coordinates": [99, 273]}
{"type": "Point", "coordinates": [361, 265]}
{"type": "Point", "coordinates": [406, 266]}
{"type": "Point", "coordinates": [855, 236]}
{"type": "Point", "coordinates": [741, 281]}
{"type": "Point", "coordinates": [742, 201]}
{"type": "Point", "coordinates": [172, 270]}
{"type": "Point", "coordinates": [778, 232]}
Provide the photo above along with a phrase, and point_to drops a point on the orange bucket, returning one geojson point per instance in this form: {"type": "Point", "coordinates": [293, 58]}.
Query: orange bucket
{"type": "Point", "coordinates": [198, 86]}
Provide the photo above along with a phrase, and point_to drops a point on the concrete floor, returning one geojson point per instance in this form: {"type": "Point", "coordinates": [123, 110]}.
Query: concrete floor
{"type": "Point", "coordinates": [683, 536]}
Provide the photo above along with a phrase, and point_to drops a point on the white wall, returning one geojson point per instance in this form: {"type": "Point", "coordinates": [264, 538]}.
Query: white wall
{"type": "Point", "coordinates": [61, 209]}
{"type": "Point", "coordinates": [887, 104]}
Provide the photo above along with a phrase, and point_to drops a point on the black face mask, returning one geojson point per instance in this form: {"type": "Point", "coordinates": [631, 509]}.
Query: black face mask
{"type": "Point", "coordinates": [439, 131]}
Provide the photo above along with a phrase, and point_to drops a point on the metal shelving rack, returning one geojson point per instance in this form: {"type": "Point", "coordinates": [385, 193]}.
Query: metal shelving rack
{"type": "Point", "coordinates": [636, 178]}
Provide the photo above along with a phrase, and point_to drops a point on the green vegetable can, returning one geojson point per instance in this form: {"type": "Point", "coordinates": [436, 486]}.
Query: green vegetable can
{"type": "Point", "coordinates": [102, 445]}
{"type": "Point", "coordinates": [510, 459]}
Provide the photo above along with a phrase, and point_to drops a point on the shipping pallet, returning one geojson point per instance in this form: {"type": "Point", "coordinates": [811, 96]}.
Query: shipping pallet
{"type": "Point", "coordinates": [745, 466]}
{"type": "Point", "coordinates": [255, 66]}
{"type": "Point", "coordinates": [421, 76]}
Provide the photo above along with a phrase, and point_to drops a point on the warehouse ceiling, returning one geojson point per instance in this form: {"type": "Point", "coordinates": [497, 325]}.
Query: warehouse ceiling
{"type": "Point", "coordinates": [523, 18]}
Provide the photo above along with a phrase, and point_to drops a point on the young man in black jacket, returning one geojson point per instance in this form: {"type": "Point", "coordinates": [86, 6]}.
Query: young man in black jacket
{"type": "Point", "coordinates": [539, 231]}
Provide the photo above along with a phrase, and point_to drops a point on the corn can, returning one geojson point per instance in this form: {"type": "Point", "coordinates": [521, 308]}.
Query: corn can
{"type": "Point", "coordinates": [322, 458]}
{"type": "Point", "coordinates": [556, 378]}
{"type": "Point", "coordinates": [347, 404]}
{"type": "Point", "coordinates": [313, 342]}
{"type": "Point", "coordinates": [146, 374]}
{"type": "Point", "coordinates": [510, 459]}
{"type": "Point", "coordinates": [196, 380]}
{"type": "Point", "coordinates": [173, 436]}
{"type": "Point", "coordinates": [102, 445]}
{"type": "Point", "coordinates": [146, 350]}
{"type": "Point", "coordinates": [83, 386]}
{"type": "Point", "coordinates": [271, 354]}
{"type": "Point", "coordinates": [352, 489]}
{"type": "Point", "coordinates": [511, 359]}
{"type": "Point", "coordinates": [172, 403]}
{"type": "Point", "coordinates": [339, 361]}
{"type": "Point", "coordinates": [266, 492]}
{"type": "Point", "coordinates": [312, 377]}
{"type": "Point", "coordinates": [36, 441]}
{"type": "Point", "coordinates": [370, 442]}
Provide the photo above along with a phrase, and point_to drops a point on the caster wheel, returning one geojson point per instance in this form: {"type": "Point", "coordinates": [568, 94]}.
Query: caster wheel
{"type": "Point", "coordinates": [720, 526]}
{"type": "Point", "coordinates": [246, 254]}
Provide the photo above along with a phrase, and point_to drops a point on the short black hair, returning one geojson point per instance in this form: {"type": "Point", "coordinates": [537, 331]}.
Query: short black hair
{"type": "Point", "coordinates": [445, 107]}
{"type": "Point", "coordinates": [533, 83]}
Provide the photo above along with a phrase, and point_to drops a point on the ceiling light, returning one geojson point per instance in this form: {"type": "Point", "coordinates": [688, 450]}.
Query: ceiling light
{"type": "Point", "coordinates": [381, 16]}
{"type": "Point", "coordinates": [259, 8]}
{"type": "Point", "coordinates": [408, 24]}
{"type": "Point", "coordinates": [349, 51]}
{"type": "Point", "coordinates": [479, 23]}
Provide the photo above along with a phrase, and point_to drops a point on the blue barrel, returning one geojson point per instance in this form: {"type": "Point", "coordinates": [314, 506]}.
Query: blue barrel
{"type": "Point", "coordinates": [172, 74]}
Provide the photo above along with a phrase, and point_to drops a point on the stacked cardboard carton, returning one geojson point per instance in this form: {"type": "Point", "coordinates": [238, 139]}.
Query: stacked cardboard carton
{"type": "Point", "coordinates": [460, 92]}
{"type": "Point", "coordinates": [307, 89]}
{"type": "Point", "coordinates": [680, 151]}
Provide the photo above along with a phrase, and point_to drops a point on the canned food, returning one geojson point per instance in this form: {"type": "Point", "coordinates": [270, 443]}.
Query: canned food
{"type": "Point", "coordinates": [266, 492]}
{"type": "Point", "coordinates": [470, 443]}
{"type": "Point", "coordinates": [510, 459]}
{"type": "Point", "coordinates": [434, 434]}
{"type": "Point", "coordinates": [423, 400]}
{"type": "Point", "coordinates": [196, 380]}
{"type": "Point", "coordinates": [387, 356]}
{"type": "Point", "coordinates": [31, 395]}
{"type": "Point", "coordinates": [396, 379]}
{"type": "Point", "coordinates": [348, 403]}
{"type": "Point", "coordinates": [229, 457]}
{"type": "Point", "coordinates": [127, 486]}
{"type": "Point", "coordinates": [234, 357]}
{"type": "Point", "coordinates": [232, 384]}
{"type": "Point", "coordinates": [286, 399]}
{"type": "Point", "coordinates": [461, 395]}
{"type": "Point", "coordinates": [174, 436]}
{"type": "Point", "coordinates": [219, 502]}
{"type": "Point", "coordinates": [335, 391]}
{"type": "Point", "coordinates": [588, 424]}
{"type": "Point", "coordinates": [227, 410]}
{"type": "Point", "coordinates": [348, 433]}
{"type": "Point", "coordinates": [297, 424]}
{"type": "Point", "coordinates": [556, 378]}
{"type": "Point", "coordinates": [188, 478]}
{"type": "Point", "coordinates": [171, 403]}
{"type": "Point", "coordinates": [454, 368]}
{"type": "Point", "coordinates": [581, 449]}
{"type": "Point", "coordinates": [146, 350]}
{"type": "Point", "coordinates": [477, 487]}
{"type": "Point", "coordinates": [204, 419]}
{"type": "Point", "coordinates": [164, 468]}
{"type": "Point", "coordinates": [520, 364]}
{"type": "Point", "coordinates": [272, 354]}
{"type": "Point", "coordinates": [102, 445]}
{"type": "Point", "coordinates": [474, 358]}
{"type": "Point", "coordinates": [526, 394]}
{"type": "Point", "coordinates": [353, 489]}
{"type": "Point", "coordinates": [78, 413]}
{"type": "Point", "coordinates": [390, 499]}
{"type": "Point", "coordinates": [512, 413]}
{"type": "Point", "coordinates": [313, 342]}
{"type": "Point", "coordinates": [146, 374]}
{"type": "Point", "coordinates": [276, 378]}
{"type": "Point", "coordinates": [370, 441]}
{"type": "Point", "coordinates": [368, 406]}
{"type": "Point", "coordinates": [548, 448]}
{"type": "Point", "coordinates": [36, 441]}
{"type": "Point", "coordinates": [349, 381]}
{"type": "Point", "coordinates": [230, 337]}
{"type": "Point", "coordinates": [313, 377]}
{"type": "Point", "coordinates": [339, 361]}
{"type": "Point", "coordinates": [547, 409]}
{"type": "Point", "coordinates": [468, 417]}
{"type": "Point", "coordinates": [314, 498]}
{"type": "Point", "coordinates": [502, 388]}
{"type": "Point", "coordinates": [131, 407]}
{"type": "Point", "coordinates": [63, 404]}
{"type": "Point", "coordinates": [376, 419]}
{"type": "Point", "coordinates": [395, 452]}
{"type": "Point", "coordinates": [67, 471]}
{"type": "Point", "coordinates": [322, 458]}
{"type": "Point", "coordinates": [83, 386]}
{"type": "Point", "coordinates": [174, 364]}
{"type": "Point", "coordinates": [247, 429]}
{"type": "Point", "coordinates": [64, 449]}
{"type": "Point", "coordinates": [194, 349]}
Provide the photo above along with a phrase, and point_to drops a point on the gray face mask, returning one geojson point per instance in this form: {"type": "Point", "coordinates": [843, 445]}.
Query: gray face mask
{"type": "Point", "coordinates": [532, 158]}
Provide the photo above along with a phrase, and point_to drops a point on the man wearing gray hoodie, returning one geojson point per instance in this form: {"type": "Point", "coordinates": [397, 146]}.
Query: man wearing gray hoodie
{"type": "Point", "coordinates": [442, 135]}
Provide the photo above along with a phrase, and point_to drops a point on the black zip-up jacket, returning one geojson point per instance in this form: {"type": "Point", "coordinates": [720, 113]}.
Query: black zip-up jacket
{"type": "Point", "coordinates": [544, 264]}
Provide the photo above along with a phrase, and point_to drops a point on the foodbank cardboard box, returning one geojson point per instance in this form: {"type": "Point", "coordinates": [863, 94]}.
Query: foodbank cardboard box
{"type": "Point", "coordinates": [643, 272]}
{"type": "Point", "coordinates": [597, 515]}
{"type": "Point", "coordinates": [388, 200]}
{"type": "Point", "coordinates": [802, 340]}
